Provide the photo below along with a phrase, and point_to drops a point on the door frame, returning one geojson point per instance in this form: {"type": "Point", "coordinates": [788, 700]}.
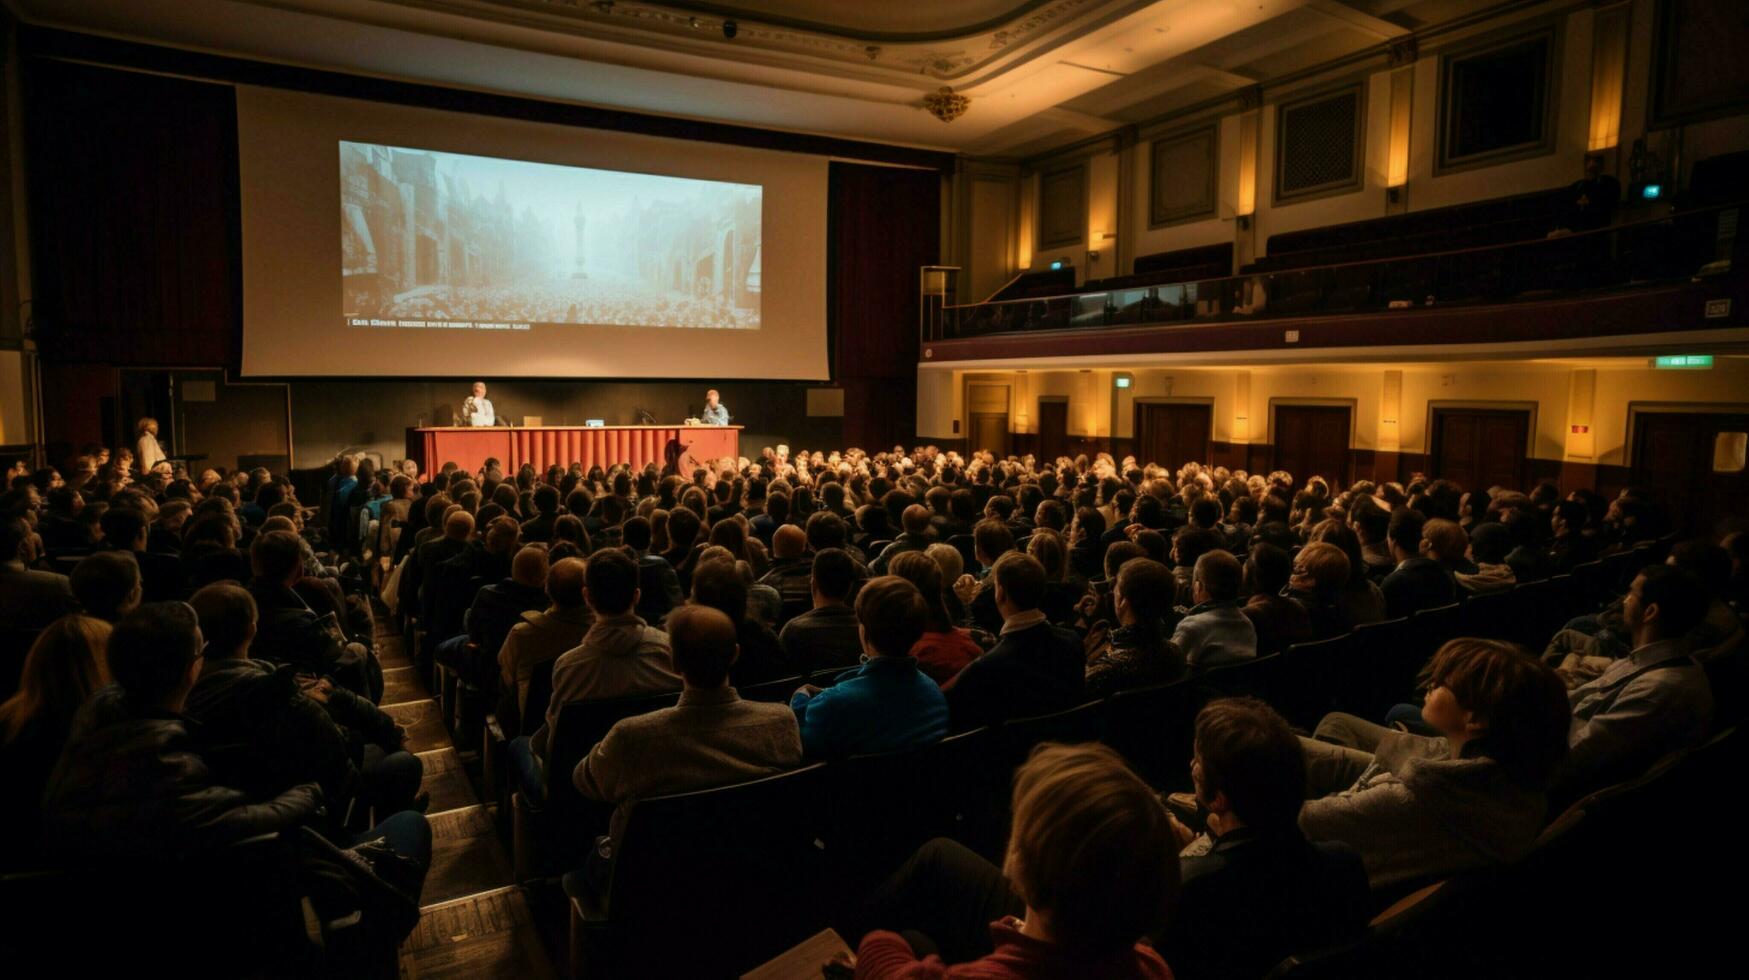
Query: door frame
{"type": "Point", "coordinates": [1636, 409]}
{"type": "Point", "coordinates": [1136, 421]}
{"type": "Point", "coordinates": [1344, 478]}
{"type": "Point", "coordinates": [1038, 432]}
{"type": "Point", "coordinates": [1430, 431]}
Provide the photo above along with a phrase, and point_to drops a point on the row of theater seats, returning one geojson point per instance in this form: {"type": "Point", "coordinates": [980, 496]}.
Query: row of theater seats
{"type": "Point", "coordinates": [761, 865]}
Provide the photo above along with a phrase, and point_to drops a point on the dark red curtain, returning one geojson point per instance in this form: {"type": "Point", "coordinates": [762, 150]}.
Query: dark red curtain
{"type": "Point", "coordinates": [884, 223]}
{"type": "Point", "coordinates": [133, 212]}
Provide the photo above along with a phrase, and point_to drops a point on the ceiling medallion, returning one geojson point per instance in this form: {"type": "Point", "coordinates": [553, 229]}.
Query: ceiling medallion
{"type": "Point", "coordinates": [945, 104]}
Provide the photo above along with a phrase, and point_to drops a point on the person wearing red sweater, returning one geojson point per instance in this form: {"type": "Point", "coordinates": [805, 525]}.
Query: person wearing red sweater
{"type": "Point", "coordinates": [1091, 855]}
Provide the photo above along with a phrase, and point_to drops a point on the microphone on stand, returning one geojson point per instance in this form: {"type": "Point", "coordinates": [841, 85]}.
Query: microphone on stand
{"type": "Point", "coordinates": [643, 417]}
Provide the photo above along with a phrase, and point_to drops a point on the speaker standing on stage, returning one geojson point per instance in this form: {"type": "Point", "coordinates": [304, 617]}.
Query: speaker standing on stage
{"type": "Point", "coordinates": [477, 408]}
{"type": "Point", "coordinates": [715, 412]}
{"type": "Point", "coordinates": [150, 453]}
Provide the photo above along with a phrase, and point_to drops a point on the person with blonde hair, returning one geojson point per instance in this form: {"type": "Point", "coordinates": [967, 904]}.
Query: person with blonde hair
{"type": "Point", "coordinates": [64, 666]}
{"type": "Point", "coordinates": [150, 454]}
{"type": "Point", "coordinates": [1092, 864]}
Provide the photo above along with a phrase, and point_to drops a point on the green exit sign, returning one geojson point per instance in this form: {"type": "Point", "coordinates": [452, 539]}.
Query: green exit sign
{"type": "Point", "coordinates": [1683, 362]}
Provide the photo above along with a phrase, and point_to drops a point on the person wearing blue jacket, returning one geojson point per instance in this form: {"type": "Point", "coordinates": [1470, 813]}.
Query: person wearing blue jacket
{"type": "Point", "coordinates": [886, 704]}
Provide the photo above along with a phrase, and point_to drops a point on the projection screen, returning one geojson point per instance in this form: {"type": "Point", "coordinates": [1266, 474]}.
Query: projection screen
{"type": "Point", "coordinates": [388, 240]}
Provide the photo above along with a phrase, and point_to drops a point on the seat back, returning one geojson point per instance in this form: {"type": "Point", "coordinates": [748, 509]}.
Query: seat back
{"type": "Point", "coordinates": [15, 645]}
{"type": "Point", "coordinates": [737, 864]}
{"type": "Point", "coordinates": [1153, 728]}
{"type": "Point", "coordinates": [1308, 676]}
{"type": "Point", "coordinates": [1490, 614]}
{"type": "Point", "coordinates": [880, 808]}
{"type": "Point", "coordinates": [772, 692]}
{"type": "Point", "coordinates": [136, 914]}
{"type": "Point", "coordinates": [1373, 680]}
{"type": "Point", "coordinates": [1593, 585]}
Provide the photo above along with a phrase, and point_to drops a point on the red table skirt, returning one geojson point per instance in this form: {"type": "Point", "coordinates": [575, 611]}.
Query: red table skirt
{"type": "Point", "coordinates": [469, 448]}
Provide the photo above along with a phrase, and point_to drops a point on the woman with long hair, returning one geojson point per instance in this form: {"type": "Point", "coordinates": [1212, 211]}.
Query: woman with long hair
{"type": "Point", "coordinates": [944, 649]}
{"type": "Point", "coordinates": [64, 666]}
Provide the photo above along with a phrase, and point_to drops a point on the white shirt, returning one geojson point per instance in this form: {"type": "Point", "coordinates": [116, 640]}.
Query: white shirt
{"type": "Point", "coordinates": [478, 411]}
{"type": "Point", "coordinates": [150, 454]}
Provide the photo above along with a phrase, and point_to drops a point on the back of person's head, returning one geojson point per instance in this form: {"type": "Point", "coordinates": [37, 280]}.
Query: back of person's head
{"type": "Point", "coordinates": [1710, 562]}
{"type": "Point", "coordinates": [892, 614]}
{"type": "Point", "coordinates": [635, 533]}
{"type": "Point", "coordinates": [1090, 522]}
{"type": "Point", "coordinates": [1191, 543]}
{"type": "Point", "coordinates": [1021, 579]}
{"type": "Point", "coordinates": [992, 539]}
{"type": "Point", "coordinates": [826, 530]}
{"type": "Point", "coordinates": [1146, 587]}
{"type": "Point", "coordinates": [1247, 752]}
{"type": "Point", "coordinates": [1120, 554]}
{"type": "Point", "coordinates": [1332, 531]}
{"type": "Point", "coordinates": [565, 583]}
{"type": "Point", "coordinates": [546, 499]}
{"type": "Point", "coordinates": [1490, 543]}
{"type": "Point", "coordinates": [529, 567]}
{"type": "Point", "coordinates": [1049, 548]}
{"type": "Point", "coordinates": [718, 585]}
{"type": "Point", "coordinates": [923, 571]}
{"type": "Point", "coordinates": [107, 584]}
{"type": "Point", "coordinates": [1446, 540]}
{"type": "Point", "coordinates": [67, 662]}
{"type": "Point", "coordinates": [1206, 512]}
{"type": "Point", "coordinates": [1221, 575]}
{"type": "Point", "coordinates": [152, 652]}
{"type": "Point", "coordinates": [703, 641]}
{"type": "Point", "coordinates": [227, 616]}
{"type": "Point", "coordinates": [915, 519]}
{"type": "Point", "coordinates": [1324, 565]}
{"type": "Point", "coordinates": [1091, 847]}
{"type": "Point", "coordinates": [1404, 531]}
{"type": "Point", "coordinates": [1574, 514]}
{"type": "Point", "coordinates": [459, 525]}
{"type": "Point", "coordinates": [947, 558]}
{"type": "Point", "coordinates": [1518, 705]}
{"type": "Point", "coordinates": [123, 527]}
{"type": "Point", "coordinates": [276, 555]}
{"type": "Point", "coordinates": [501, 535]}
{"type": "Point", "coordinates": [612, 582]}
{"type": "Point", "coordinates": [1681, 598]}
{"type": "Point", "coordinates": [789, 541]}
{"type": "Point", "coordinates": [1269, 567]}
{"type": "Point", "coordinates": [833, 573]}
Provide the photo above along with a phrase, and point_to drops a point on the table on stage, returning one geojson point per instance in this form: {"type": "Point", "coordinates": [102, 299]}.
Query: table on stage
{"type": "Point", "coordinates": [546, 445]}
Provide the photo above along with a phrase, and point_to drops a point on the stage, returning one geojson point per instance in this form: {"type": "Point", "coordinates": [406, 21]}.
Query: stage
{"type": "Point", "coordinates": [694, 446]}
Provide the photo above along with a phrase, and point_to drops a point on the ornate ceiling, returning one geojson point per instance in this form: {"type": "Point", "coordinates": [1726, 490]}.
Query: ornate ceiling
{"type": "Point", "coordinates": [1026, 75]}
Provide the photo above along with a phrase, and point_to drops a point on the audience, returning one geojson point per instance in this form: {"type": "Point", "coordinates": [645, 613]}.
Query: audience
{"type": "Point", "coordinates": [1418, 582]}
{"type": "Point", "coordinates": [887, 703]}
{"type": "Point", "coordinates": [943, 649]}
{"type": "Point", "coordinates": [1279, 620]}
{"type": "Point", "coordinates": [541, 638]}
{"type": "Point", "coordinates": [107, 585]}
{"type": "Point", "coordinates": [30, 598]}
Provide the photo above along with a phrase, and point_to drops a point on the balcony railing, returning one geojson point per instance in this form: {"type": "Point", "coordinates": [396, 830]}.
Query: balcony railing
{"type": "Point", "coordinates": [1675, 247]}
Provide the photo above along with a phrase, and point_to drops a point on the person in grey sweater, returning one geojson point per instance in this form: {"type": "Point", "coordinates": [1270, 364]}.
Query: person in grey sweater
{"type": "Point", "coordinates": [1216, 632]}
{"type": "Point", "coordinates": [1419, 807]}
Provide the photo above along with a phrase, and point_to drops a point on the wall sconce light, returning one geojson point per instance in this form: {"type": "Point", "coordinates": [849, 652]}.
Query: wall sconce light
{"type": "Point", "coordinates": [1094, 241]}
{"type": "Point", "coordinates": [1244, 222]}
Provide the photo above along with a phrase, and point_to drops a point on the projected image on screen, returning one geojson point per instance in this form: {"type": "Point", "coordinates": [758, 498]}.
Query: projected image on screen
{"type": "Point", "coordinates": [446, 240]}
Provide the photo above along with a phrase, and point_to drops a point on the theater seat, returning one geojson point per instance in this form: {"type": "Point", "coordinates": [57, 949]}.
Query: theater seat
{"type": "Point", "coordinates": [738, 866]}
{"type": "Point", "coordinates": [1153, 728]}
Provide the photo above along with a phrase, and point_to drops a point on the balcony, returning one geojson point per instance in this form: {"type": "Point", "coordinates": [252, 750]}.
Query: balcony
{"type": "Point", "coordinates": [1666, 274]}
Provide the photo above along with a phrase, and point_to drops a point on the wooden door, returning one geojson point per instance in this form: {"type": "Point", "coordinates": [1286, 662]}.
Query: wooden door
{"type": "Point", "coordinates": [1313, 440]}
{"type": "Point", "coordinates": [1172, 434]}
{"type": "Point", "coordinates": [990, 431]}
{"type": "Point", "coordinates": [1480, 448]}
{"type": "Point", "coordinates": [1677, 456]}
{"type": "Point", "coordinates": [1053, 429]}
